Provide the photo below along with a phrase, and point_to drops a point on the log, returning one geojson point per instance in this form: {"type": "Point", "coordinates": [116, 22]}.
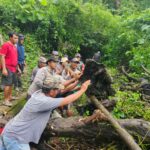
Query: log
{"type": "Point", "coordinates": [72, 127]}
{"type": "Point", "coordinates": [126, 137]}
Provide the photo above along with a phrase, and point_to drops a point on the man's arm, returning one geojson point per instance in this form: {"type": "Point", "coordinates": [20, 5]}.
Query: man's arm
{"type": "Point", "coordinates": [68, 82]}
{"type": "Point", "coordinates": [51, 103]}
{"type": "Point", "coordinates": [4, 70]}
{"type": "Point", "coordinates": [3, 53]}
{"type": "Point", "coordinates": [73, 97]}
{"type": "Point", "coordinates": [69, 87]}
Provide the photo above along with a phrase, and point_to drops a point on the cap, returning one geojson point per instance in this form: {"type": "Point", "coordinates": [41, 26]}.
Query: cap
{"type": "Point", "coordinates": [52, 59]}
{"type": "Point", "coordinates": [64, 59]}
{"type": "Point", "coordinates": [55, 53]}
{"type": "Point", "coordinates": [42, 60]}
{"type": "Point", "coordinates": [53, 82]}
{"type": "Point", "coordinates": [66, 55]}
{"type": "Point", "coordinates": [21, 37]}
{"type": "Point", "coordinates": [74, 60]}
{"type": "Point", "coordinates": [78, 55]}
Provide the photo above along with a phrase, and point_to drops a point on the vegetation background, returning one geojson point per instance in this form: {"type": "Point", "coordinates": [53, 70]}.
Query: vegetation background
{"type": "Point", "coordinates": [120, 29]}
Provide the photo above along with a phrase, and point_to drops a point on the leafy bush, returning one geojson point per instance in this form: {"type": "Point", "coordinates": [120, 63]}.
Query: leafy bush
{"type": "Point", "coordinates": [128, 105]}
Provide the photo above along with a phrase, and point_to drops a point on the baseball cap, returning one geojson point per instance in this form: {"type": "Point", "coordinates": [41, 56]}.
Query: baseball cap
{"type": "Point", "coordinates": [78, 55]}
{"type": "Point", "coordinates": [55, 53]}
{"type": "Point", "coordinates": [21, 37]}
{"type": "Point", "coordinates": [52, 59]}
{"type": "Point", "coordinates": [53, 82]}
{"type": "Point", "coordinates": [75, 60]}
{"type": "Point", "coordinates": [42, 60]}
{"type": "Point", "coordinates": [64, 59]}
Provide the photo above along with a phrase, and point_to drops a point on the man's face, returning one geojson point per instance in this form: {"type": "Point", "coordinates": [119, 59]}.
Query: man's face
{"type": "Point", "coordinates": [65, 64]}
{"type": "Point", "coordinates": [55, 56]}
{"type": "Point", "coordinates": [42, 64]}
{"type": "Point", "coordinates": [53, 93]}
{"type": "Point", "coordinates": [52, 64]}
{"type": "Point", "coordinates": [21, 41]}
{"type": "Point", "coordinates": [78, 58]}
{"type": "Point", "coordinates": [74, 65]}
{"type": "Point", "coordinates": [14, 39]}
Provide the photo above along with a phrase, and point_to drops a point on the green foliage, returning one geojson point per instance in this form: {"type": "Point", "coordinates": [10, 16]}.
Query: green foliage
{"type": "Point", "coordinates": [147, 114]}
{"type": "Point", "coordinates": [86, 26]}
{"type": "Point", "coordinates": [128, 105]}
{"type": "Point", "coordinates": [68, 26]}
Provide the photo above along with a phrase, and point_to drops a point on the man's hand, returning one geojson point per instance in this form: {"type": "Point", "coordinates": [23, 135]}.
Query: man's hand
{"type": "Point", "coordinates": [77, 76]}
{"type": "Point", "coordinates": [5, 72]}
{"type": "Point", "coordinates": [85, 85]}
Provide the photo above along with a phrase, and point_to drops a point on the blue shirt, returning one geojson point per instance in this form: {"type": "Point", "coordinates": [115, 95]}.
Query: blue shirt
{"type": "Point", "coordinates": [21, 54]}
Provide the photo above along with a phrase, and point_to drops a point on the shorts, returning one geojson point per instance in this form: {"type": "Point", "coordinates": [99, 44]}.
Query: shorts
{"type": "Point", "coordinates": [8, 80]}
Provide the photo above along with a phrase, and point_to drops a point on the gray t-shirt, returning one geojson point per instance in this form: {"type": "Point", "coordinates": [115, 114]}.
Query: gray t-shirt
{"type": "Point", "coordinates": [31, 121]}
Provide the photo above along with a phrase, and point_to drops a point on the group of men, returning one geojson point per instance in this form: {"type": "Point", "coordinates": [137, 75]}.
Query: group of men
{"type": "Point", "coordinates": [54, 84]}
{"type": "Point", "coordinates": [63, 70]}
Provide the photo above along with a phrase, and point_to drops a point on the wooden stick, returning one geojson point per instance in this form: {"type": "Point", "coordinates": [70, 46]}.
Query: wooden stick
{"type": "Point", "coordinates": [147, 71]}
{"type": "Point", "coordinates": [129, 77]}
{"type": "Point", "coordinates": [128, 139]}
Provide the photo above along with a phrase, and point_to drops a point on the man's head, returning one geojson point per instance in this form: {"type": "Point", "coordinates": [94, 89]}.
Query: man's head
{"type": "Point", "coordinates": [42, 62]}
{"type": "Point", "coordinates": [55, 54]}
{"type": "Point", "coordinates": [21, 39]}
{"type": "Point", "coordinates": [52, 62]}
{"type": "Point", "coordinates": [78, 56]}
{"type": "Point", "coordinates": [13, 37]}
{"type": "Point", "coordinates": [51, 86]}
{"type": "Point", "coordinates": [64, 61]}
{"type": "Point", "coordinates": [74, 63]}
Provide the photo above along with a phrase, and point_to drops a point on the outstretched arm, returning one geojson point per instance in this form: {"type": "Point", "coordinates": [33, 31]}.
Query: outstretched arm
{"type": "Point", "coordinates": [73, 97]}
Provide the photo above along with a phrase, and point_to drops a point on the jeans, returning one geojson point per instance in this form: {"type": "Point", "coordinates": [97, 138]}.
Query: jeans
{"type": "Point", "coordinates": [11, 144]}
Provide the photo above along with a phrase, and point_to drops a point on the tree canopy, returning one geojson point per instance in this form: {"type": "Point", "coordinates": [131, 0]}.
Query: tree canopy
{"type": "Point", "coordinates": [119, 29]}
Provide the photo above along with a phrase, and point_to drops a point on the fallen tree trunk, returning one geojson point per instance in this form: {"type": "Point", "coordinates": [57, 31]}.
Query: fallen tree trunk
{"type": "Point", "coordinates": [126, 137]}
{"type": "Point", "coordinates": [72, 127]}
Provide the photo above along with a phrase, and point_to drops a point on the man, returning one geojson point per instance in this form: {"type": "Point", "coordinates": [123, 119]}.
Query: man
{"type": "Point", "coordinates": [55, 54]}
{"type": "Point", "coordinates": [81, 65]}
{"type": "Point", "coordinates": [21, 52]}
{"type": "Point", "coordinates": [65, 68]}
{"type": "Point", "coordinates": [41, 64]}
{"type": "Point", "coordinates": [74, 67]}
{"type": "Point", "coordinates": [29, 124]}
{"type": "Point", "coordinates": [21, 61]}
{"type": "Point", "coordinates": [9, 63]}
{"type": "Point", "coordinates": [58, 68]}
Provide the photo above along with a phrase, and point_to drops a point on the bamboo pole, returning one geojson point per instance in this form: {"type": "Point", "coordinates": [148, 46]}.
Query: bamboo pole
{"type": "Point", "coordinates": [128, 139]}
